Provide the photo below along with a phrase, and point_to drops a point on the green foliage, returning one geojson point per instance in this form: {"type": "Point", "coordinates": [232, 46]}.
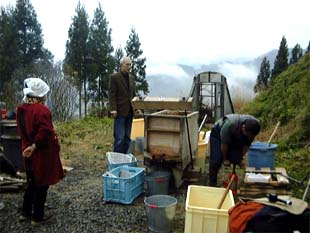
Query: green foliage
{"type": "Point", "coordinates": [8, 48]}
{"type": "Point", "coordinates": [28, 31]}
{"type": "Point", "coordinates": [76, 130]}
{"type": "Point", "coordinates": [119, 54]}
{"type": "Point", "coordinates": [21, 48]}
{"type": "Point", "coordinates": [281, 62]}
{"type": "Point", "coordinates": [263, 76]}
{"type": "Point", "coordinates": [102, 61]}
{"type": "Point", "coordinates": [76, 53]}
{"type": "Point", "coordinates": [287, 100]}
{"type": "Point", "coordinates": [138, 64]}
{"type": "Point", "coordinates": [297, 53]}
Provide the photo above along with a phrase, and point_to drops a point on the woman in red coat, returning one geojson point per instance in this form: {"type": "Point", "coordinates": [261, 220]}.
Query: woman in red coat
{"type": "Point", "coordinates": [41, 149]}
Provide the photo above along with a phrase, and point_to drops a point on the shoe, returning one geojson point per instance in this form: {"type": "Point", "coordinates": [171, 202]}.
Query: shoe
{"type": "Point", "coordinates": [2, 205]}
{"type": "Point", "coordinates": [24, 217]}
{"type": "Point", "coordinates": [41, 221]}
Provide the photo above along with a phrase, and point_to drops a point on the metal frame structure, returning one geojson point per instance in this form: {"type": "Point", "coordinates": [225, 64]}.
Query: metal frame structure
{"type": "Point", "coordinates": [211, 95]}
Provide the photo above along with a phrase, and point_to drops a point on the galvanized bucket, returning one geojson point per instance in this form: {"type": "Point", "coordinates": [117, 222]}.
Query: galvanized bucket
{"type": "Point", "coordinates": [157, 182]}
{"type": "Point", "coordinates": [160, 211]}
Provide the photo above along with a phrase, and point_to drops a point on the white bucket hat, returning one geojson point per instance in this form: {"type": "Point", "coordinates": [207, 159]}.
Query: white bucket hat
{"type": "Point", "coordinates": [35, 87]}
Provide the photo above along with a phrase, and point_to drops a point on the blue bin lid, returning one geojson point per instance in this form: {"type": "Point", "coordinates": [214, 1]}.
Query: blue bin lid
{"type": "Point", "coordinates": [262, 146]}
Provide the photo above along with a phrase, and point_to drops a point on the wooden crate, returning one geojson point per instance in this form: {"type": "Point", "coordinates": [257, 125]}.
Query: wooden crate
{"type": "Point", "coordinates": [277, 184]}
{"type": "Point", "coordinates": [166, 135]}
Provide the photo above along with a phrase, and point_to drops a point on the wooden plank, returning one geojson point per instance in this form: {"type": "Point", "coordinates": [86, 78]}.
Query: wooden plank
{"type": "Point", "coordinates": [162, 157]}
{"type": "Point", "coordinates": [265, 185]}
{"type": "Point", "coordinates": [163, 130]}
{"type": "Point", "coordinates": [156, 103]}
{"type": "Point", "coordinates": [259, 191]}
{"type": "Point", "coordinates": [282, 179]}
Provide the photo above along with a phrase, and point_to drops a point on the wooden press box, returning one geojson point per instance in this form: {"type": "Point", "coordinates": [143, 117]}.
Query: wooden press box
{"type": "Point", "coordinates": [166, 135]}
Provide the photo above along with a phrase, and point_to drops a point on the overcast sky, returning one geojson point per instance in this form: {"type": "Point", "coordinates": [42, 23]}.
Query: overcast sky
{"type": "Point", "coordinates": [190, 32]}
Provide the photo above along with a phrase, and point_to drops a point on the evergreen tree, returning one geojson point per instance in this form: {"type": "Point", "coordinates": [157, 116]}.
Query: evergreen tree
{"type": "Point", "coordinates": [77, 53]}
{"type": "Point", "coordinates": [119, 54]}
{"type": "Point", "coordinates": [281, 61]}
{"type": "Point", "coordinates": [8, 48]}
{"type": "Point", "coordinates": [101, 53]}
{"type": "Point", "coordinates": [263, 76]}
{"type": "Point", "coordinates": [21, 46]}
{"type": "Point", "coordinates": [138, 64]}
{"type": "Point", "coordinates": [29, 33]}
{"type": "Point", "coordinates": [308, 49]}
{"type": "Point", "coordinates": [297, 53]}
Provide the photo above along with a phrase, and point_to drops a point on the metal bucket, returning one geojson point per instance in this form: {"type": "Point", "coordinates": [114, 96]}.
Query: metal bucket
{"type": "Point", "coordinates": [12, 150]}
{"type": "Point", "coordinates": [8, 127]}
{"type": "Point", "coordinates": [157, 182]}
{"type": "Point", "coordinates": [139, 145]}
{"type": "Point", "coordinates": [160, 211]}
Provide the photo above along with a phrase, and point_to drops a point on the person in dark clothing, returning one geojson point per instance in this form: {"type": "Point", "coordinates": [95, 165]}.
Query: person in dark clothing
{"type": "Point", "coordinates": [121, 91]}
{"type": "Point", "coordinates": [230, 139]}
{"type": "Point", "coordinates": [40, 150]}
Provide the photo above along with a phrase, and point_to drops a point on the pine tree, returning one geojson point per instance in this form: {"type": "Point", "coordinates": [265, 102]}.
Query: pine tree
{"type": "Point", "coordinates": [281, 61]}
{"type": "Point", "coordinates": [119, 54]}
{"type": "Point", "coordinates": [308, 49]}
{"type": "Point", "coordinates": [297, 53]}
{"type": "Point", "coordinates": [100, 44]}
{"type": "Point", "coordinates": [8, 48]}
{"type": "Point", "coordinates": [138, 64]}
{"type": "Point", "coordinates": [22, 43]}
{"type": "Point", "coordinates": [263, 76]}
{"type": "Point", "coordinates": [77, 53]}
{"type": "Point", "coordinates": [29, 33]}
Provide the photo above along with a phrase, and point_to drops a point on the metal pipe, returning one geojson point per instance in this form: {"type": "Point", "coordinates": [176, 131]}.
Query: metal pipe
{"type": "Point", "coordinates": [306, 191]}
{"type": "Point", "coordinates": [189, 140]}
{"type": "Point", "coordinates": [202, 123]}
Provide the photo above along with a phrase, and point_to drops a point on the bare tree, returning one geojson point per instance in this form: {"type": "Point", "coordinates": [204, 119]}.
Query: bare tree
{"type": "Point", "coordinates": [62, 97]}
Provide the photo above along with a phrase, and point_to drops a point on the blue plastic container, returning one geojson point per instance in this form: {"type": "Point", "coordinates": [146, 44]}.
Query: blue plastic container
{"type": "Point", "coordinates": [261, 155]}
{"type": "Point", "coordinates": [123, 184]}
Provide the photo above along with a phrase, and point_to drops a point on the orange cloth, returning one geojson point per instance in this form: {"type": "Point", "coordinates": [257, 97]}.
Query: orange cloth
{"type": "Point", "coordinates": [240, 214]}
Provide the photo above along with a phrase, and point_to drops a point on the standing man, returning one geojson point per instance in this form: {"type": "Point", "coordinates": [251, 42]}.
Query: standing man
{"type": "Point", "coordinates": [121, 91]}
{"type": "Point", "coordinates": [230, 139]}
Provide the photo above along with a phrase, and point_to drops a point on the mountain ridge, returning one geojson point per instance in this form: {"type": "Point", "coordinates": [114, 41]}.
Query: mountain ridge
{"type": "Point", "coordinates": [240, 73]}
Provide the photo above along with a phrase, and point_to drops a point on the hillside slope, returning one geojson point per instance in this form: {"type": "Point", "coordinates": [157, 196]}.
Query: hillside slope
{"type": "Point", "coordinates": [288, 101]}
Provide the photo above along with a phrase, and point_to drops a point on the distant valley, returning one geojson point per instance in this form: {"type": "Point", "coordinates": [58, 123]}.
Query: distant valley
{"type": "Point", "coordinates": [241, 75]}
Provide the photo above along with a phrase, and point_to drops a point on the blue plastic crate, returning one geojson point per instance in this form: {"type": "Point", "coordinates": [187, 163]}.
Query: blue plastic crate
{"type": "Point", "coordinates": [119, 159]}
{"type": "Point", "coordinates": [123, 189]}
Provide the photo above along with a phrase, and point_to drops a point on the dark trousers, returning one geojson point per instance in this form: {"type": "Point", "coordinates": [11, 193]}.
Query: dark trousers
{"type": "Point", "coordinates": [216, 158]}
{"type": "Point", "coordinates": [34, 198]}
{"type": "Point", "coordinates": [122, 131]}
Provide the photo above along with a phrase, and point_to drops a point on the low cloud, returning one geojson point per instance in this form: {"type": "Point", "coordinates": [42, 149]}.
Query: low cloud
{"type": "Point", "coordinates": [173, 70]}
{"type": "Point", "coordinates": [240, 79]}
{"type": "Point", "coordinates": [176, 80]}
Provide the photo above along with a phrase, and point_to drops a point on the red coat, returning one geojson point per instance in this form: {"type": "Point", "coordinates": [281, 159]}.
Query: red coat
{"type": "Point", "coordinates": [34, 123]}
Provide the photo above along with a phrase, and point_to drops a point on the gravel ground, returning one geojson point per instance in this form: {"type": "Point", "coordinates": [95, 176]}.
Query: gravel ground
{"type": "Point", "coordinates": [77, 205]}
